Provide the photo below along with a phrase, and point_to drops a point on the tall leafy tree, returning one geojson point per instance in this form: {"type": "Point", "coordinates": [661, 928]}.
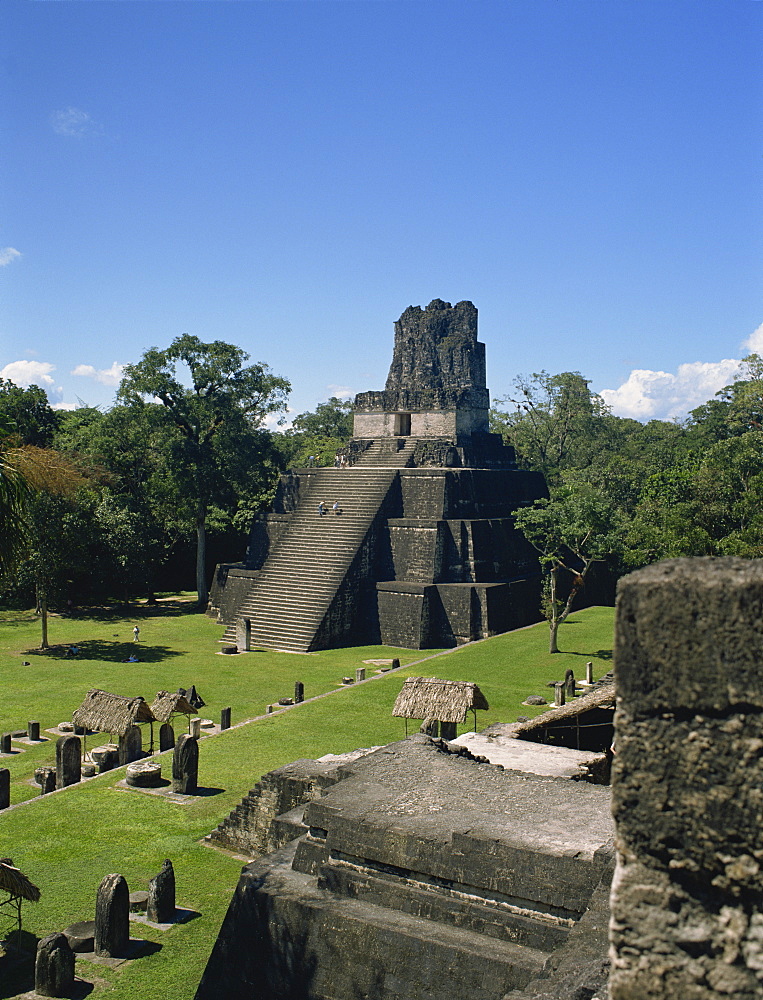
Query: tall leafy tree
{"type": "Point", "coordinates": [578, 526]}
{"type": "Point", "coordinates": [217, 405]}
{"type": "Point", "coordinates": [27, 414]}
{"type": "Point", "coordinates": [320, 433]}
{"type": "Point", "coordinates": [554, 422]}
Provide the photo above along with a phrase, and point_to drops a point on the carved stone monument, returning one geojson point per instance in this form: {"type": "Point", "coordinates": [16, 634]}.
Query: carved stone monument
{"type": "Point", "coordinates": [166, 737]}
{"type": "Point", "coordinates": [425, 553]}
{"type": "Point", "coordinates": [161, 895]}
{"type": "Point", "coordinates": [185, 765]}
{"type": "Point", "coordinates": [68, 761]}
{"type": "Point", "coordinates": [569, 685]}
{"type": "Point", "coordinates": [130, 745]}
{"type": "Point", "coordinates": [112, 917]}
{"type": "Point", "coordinates": [54, 967]}
{"type": "Point", "coordinates": [45, 777]}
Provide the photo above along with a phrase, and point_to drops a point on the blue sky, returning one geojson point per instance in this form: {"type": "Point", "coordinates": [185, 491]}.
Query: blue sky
{"type": "Point", "coordinates": [290, 176]}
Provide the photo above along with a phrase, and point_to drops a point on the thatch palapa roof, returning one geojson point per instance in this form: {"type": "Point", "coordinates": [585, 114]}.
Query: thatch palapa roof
{"type": "Point", "coordinates": [432, 698]}
{"type": "Point", "coordinates": [16, 883]}
{"type": "Point", "coordinates": [111, 713]}
{"type": "Point", "coordinates": [600, 697]}
{"type": "Point", "coordinates": [169, 703]}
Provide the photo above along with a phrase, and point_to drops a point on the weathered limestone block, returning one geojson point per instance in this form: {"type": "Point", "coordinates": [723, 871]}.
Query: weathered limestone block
{"type": "Point", "coordinates": [68, 760]}
{"type": "Point", "coordinates": [46, 778]}
{"type": "Point", "coordinates": [54, 967]}
{"type": "Point", "coordinates": [688, 782]}
{"type": "Point", "coordinates": [112, 917]}
{"type": "Point", "coordinates": [130, 745]}
{"type": "Point", "coordinates": [166, 737]}
{"type": "Point", "coordinates": [437, 348]}
{"type": "Point", "coordinates": [185, 765]}
{"type": "Point", "coordinates": [161, 895]}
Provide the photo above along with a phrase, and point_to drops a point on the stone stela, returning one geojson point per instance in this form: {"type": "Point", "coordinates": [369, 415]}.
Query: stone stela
{"type": "Point", "coordinates": [424, 553]}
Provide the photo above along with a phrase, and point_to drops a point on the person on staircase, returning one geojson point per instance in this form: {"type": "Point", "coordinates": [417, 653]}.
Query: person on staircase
{"type": "Point", "coordinates": [336, 508]}
{"type": "Point", "coordinates": [321, 508]}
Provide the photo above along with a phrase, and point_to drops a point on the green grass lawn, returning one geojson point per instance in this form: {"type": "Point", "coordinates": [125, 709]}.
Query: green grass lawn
{"type": "Point", "coordinates": [68, 841]}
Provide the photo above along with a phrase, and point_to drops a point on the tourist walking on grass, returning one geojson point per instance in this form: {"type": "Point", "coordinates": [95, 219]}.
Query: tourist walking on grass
{"type": "Point", "coordinates": [136, 633]}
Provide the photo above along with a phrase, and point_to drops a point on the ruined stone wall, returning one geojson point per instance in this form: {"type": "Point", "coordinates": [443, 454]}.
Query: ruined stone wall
{"type": "Point", "coordinates": [437, 347]}
{"type": "Point", "coordinates": [687, 905]}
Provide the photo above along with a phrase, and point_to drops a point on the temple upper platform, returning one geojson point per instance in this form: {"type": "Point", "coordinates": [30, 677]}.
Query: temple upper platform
{"type": "Point", "coordinates": [436, 387]}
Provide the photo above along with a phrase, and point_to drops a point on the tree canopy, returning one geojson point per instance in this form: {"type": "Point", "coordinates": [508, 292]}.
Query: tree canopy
{"type": "Point", "coordinates": [218, 417]}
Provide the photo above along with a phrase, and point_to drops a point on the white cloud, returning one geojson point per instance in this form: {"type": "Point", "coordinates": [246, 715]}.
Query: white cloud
{"type": "Point", "coordinates": [279, 421]}
{"type": "Point", "coordinates": [26, 373]}
{"type": "Point", "coordinates": [106, 376]}
{"type": "Point", "coordinates": [648, 395]}
{"type": "Point", "coordinates": [75, 122]}
{"type": "Point", "coordinates": [8, 254]}
{"type": "Point", "coordinates": [64, 406]}
{"type": "Point", "coordinates": [340, 391]}
{"type": "Point", "coordinates": [754, 343]}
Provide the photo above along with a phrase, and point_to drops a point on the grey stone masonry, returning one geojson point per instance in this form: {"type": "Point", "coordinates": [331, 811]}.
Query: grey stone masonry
{"type": "Point", "coordinates": [68, 760]}
{"type": "Point", "coordinates": [687, 904]}
{"type": "Point", "coordinates": [425, 552]}
{"type": "Point", "coordinates": [54, 967]}
{"type": "Point", "coordinates": [254, 826]}
{"type": "Point", "coordinates": [436, 385]}
{"type": "Point", "coordinates": [161, 895]}
{"type": "Point", "coordinates": [112, 917]}
{"type": "Point", "coordinates": [185, 765]}
{"type": "Point", "coordinates": [423, 873]}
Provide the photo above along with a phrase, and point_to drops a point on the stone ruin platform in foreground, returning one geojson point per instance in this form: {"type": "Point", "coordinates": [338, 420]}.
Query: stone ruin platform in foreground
{"type": "Point", "coordinates": [424, 869]}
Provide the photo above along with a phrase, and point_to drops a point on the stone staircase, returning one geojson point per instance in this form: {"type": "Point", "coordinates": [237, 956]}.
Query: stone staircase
{"type": "Point", "coordinates": [388, 453]}
{"type": "Point", "coordinates": [290, 597]}
{"type": "Point", "coordinates": [270, 814]}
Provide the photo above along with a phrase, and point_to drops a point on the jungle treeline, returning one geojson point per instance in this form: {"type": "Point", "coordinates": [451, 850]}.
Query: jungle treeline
{"type": "Point", "coordinates": [147, 495]}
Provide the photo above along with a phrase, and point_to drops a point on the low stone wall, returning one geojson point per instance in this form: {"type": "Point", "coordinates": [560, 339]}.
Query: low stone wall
{"type": "Point", "coordinates": [687, 906]}
{"type": "Point", "coordinates": [424, 872]}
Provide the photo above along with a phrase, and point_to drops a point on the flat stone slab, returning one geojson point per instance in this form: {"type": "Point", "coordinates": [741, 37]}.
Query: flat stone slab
{"type": "Point", "coordinates": [135, 949]}
{"type": "Point", "coordinates": [165, 792]}
{"type": "Point", "coordinates": [138, 901]}
{"type": "Point", "coordinates": [415, 788]}
{"type": "Point", "coordinates": [81, 936]}
{"type": "Point", "coordinates": [523, 755]}
{"type": "Point", "coordinates": [182, 916]}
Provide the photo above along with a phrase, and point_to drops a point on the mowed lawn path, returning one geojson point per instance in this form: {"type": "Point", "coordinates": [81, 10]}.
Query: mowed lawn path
{"type": "Point", "coordinates": [68, 841]}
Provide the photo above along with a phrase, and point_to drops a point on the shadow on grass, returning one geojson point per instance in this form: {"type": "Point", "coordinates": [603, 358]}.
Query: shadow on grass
{"type": "Point", "coordinates": [171, 608]}
{"type": "Point", "coordinates": [105, 649]}
{"type": "Point", "coordinates": [600, 654]}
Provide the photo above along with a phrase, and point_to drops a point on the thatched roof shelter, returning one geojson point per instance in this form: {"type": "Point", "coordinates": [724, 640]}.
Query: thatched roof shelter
{"type": "Point", "coordinates": [19, 888]}
{"type": "Point", "coordinates": [169, 703]}
{"type": "Point", "coordinates": [580, 723]}
{"type": "Point", "coordinates": [16, 883]}
{"type": "Point", "coordinates": [432, 698]}
{"type": "Point", "coordinates": [104, 712]}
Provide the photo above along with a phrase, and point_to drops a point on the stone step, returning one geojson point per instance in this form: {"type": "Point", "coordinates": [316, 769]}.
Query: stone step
{"type": "Point", "coordinates": [288, 600]}
{"type": "Point", "coordinates": [538, 930]}
{"type": "Point", "coordinates": [421, 957]}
